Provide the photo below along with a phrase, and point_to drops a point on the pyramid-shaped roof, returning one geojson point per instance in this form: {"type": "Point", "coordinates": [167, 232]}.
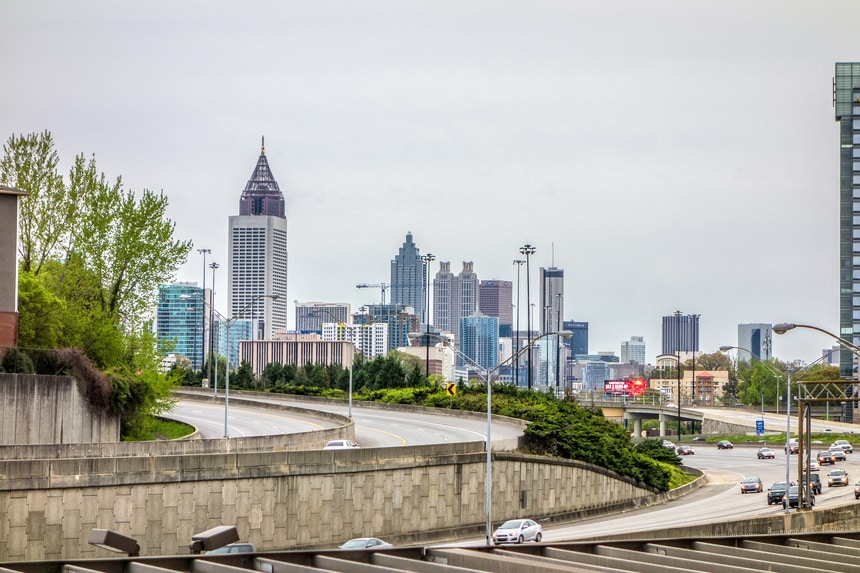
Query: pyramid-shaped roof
{"type": "Point", "coordinates": [261, 195]}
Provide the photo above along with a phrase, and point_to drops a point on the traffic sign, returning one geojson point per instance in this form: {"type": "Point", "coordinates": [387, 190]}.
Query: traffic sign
{"type": "Point", "coordinates": [759, 427]}
{"type": "Point", "coordinates": [451, 389]}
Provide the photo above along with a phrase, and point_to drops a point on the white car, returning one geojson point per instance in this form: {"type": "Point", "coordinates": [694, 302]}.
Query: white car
{"type": "Point", "coordinates": [844, 444]}
{"type": "Point", "coordinates": [518, 531]}
{"type": "Point", "coordinates": [340, 445]}
{"type": "Point", "coordinates": [365, 543]}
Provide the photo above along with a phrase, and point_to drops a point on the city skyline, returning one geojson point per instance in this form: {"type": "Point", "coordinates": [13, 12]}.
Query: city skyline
{"type": "Point", "coordinates": [666, 156]}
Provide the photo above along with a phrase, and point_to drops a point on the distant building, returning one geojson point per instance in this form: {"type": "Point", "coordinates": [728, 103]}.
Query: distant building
{"type": "Point", "coordinates": [454, 297]}
{"type": "Point", "coordinates": [229, 345]}
{"type": "Point", "coordinates": [633, 350]}
{"type": "Point", "coordinates": [680, 333]}
{"type": "Point", "coordinates": [310, 316]}
{"type": "Point", "coordinates": [371, 340]}
{"type": "Point", "coordinates": [401, 320]}
{"type": "Point", "coordinates": [479, 340]}
{"type": "Point", "coordinates": [551, 299]}
{"type": "Point", "coordinates": [756, 338]}
{"type": "Point", "coordinates": [495, 298]}
{"type": "Point", "coordinates": [409, 277]}
{"type": "Point", "coordinates": [181, 323]}
{"type": "Point", "coordinates": [257, 247]}
{"type": "Point", "coordinates": [9, 201]}
{"type": "Point", "coordinates": [578, 343]}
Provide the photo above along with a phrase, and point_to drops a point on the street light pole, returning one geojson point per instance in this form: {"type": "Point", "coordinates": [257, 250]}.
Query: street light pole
{"type": "Point", "coordinates": [678, 350]}
{"type": "Point", "coordinates": [428, 258]}
{"type": "Point", "coordinates": [351, 363]}
{"type": "Point", "coordinates": [519, 264]}
{"type": "Point", "coordinates": [528, 251]}
{"type": "Point", "coordinates": [212, 266]}
{"type": "Point", "coordinates": [203, 252]}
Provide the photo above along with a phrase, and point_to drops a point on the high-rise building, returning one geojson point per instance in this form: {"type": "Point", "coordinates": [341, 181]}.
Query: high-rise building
{"type": "Point", "coordinates": [180, 321]}
{"type": "Point", "coordinates": [479, 340]}
{"type": "Point", "coordinates": [454, 297]}
{"type": "Point", "coordinates": [755, 338]}
{"type": "Point", "coordinates": [400, 320]}
{"type": "Point", "coordinates": [495, 298]}
{"type": "Point", "coordinates": [370, 340]}
{"type": "Point", "coordinates": [310, 316]}
{"type": "Point", "coordinates": [409, 277]}
{"type": "Point", "coordinates": [633, 350]}
{"type": "Point", "coordinates": [257, 247]}
{"type": "Point", "coordinates": [578, 343]}
{"type": "Point", "coordinates": [680, 333]}
{"type": "Point", "coordinates": [551, 299]}
{"type": "Point", "coordinates": [846, 102]}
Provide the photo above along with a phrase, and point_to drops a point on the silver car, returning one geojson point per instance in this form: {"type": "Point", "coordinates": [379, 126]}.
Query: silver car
{"type": "Point", "coordinates": [340, 445]}
{"type": "Point", "coordinates": [366, 543]}
{"type": "Point", "coordinates": [518, 531]}
{"type": "Point", "coordinates": [845, 445]}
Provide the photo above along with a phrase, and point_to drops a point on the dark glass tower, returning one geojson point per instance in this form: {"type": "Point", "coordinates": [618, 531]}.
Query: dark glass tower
{"type": "Point", "coordinates": [409, 277]}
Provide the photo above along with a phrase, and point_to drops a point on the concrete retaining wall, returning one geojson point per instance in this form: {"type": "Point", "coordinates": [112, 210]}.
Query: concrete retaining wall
{"type": "Point", "coordinates": [38, 409]}
{"type": "Point", "coordinates": [281, 500]}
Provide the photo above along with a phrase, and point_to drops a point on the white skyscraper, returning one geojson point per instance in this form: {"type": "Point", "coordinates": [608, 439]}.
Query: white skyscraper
{"type": "Point", "coordinates": [258, 254]}
{"type": "Point", "coordinates": [633, 350]}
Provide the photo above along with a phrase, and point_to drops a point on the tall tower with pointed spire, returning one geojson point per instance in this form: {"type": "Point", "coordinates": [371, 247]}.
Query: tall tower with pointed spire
{"type": "Point", "coordinates": [258, 253]}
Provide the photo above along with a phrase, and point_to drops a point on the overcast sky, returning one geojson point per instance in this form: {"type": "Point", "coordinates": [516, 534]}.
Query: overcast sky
{"type": "Point", "coordinates": [668, 155]}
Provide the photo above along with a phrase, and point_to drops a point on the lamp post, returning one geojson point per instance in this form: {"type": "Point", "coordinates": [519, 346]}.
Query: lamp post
{"type": "Point", "coordinates": [203, 252]}
{"type": "Point", "coordinates": [488, 373]}
{"type": "Point", "coordinates": [519, 264]}
{"type": "Point", "coordinates": [528, 251]}
{"type": "Point", "coordinates": [228, 323]}
{"type": "Point", "coordinates": [428, 258]}
{"type": "Point", "coordinates": [349, 408]}
{"type": "Point", "coordinates": [678, 350]}
{"type": "Point", "coordinates": [212, 266]}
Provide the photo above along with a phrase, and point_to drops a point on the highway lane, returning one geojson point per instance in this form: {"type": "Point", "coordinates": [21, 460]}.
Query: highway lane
{"type": "Point", "coordinates": [373, 427]}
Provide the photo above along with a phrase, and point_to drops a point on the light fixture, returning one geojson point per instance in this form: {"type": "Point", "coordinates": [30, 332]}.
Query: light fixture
{"type": "Point", "coordinates": [113, 541]}
{"type": "Point", "coordinates": [213, 538]}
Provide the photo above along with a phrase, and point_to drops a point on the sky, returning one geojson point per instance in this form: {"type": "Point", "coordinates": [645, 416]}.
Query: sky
{"type": "Point", "coordinates": [667, 155]}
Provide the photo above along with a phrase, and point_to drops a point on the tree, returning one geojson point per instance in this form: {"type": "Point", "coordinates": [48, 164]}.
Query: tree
{"type": "Point", "coordinates": [715, 361]}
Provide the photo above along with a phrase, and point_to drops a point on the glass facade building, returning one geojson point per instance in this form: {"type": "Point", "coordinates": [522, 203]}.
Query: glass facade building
{"type": "Point", "coordinates": [756, 338]}
{"type": "Point", "coordinates": [180, 322]}
{"type": "Point", "coordinates": [680, 333]}
{"type": "Point", "coordinates": [409, 277]}
{"type": "Point", "coordinates": [551, 299]}
{"type": "Point", "coordinates": [479, 340]}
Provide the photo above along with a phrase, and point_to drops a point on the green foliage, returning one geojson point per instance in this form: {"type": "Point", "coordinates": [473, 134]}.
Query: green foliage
{"type": "Point", "coordinates": [655, 449]}
{"type": "Point", "coordinates": [17, 362]}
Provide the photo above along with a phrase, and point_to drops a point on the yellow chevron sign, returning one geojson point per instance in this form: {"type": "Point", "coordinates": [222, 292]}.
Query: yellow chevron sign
{"type": "Point", "coordinates": [451, 389]}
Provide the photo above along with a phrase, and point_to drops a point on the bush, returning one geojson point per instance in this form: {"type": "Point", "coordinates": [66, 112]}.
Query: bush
{"type": "Point", "coordinates": [16, 361]}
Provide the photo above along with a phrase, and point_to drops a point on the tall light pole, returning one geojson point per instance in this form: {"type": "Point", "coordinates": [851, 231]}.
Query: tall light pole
{"type": "Point", "coordinates": [558, 384]}
{"type": "Point", "coordinates": [203, 252]}
{"type": "Point", "coordinates": [519, 264]}
{"type": "Point", "coordinates": [695, 327]}
{"type": "Point", "coordinates": [528, 251]}
{"type": "Point", "coordinates": [352, 361]}
{"type": "Point", "coordinates": [428, 258]}
{"type": "Point", "coordinates": [678, 350]}
{"type": "Point", "coordinates": [228, 323]}
{"type": "Point", "coordinates": [488, 373]}
{"type": "Point", "coordinates": [212, 266]}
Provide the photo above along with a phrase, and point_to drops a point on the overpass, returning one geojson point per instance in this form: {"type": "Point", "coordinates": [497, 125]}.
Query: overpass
{"type": "Point", "coordinates": [626, 413]}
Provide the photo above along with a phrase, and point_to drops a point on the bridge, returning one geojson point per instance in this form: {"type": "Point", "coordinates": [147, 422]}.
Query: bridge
{"type": "Point", "coordinates": [624, 412]}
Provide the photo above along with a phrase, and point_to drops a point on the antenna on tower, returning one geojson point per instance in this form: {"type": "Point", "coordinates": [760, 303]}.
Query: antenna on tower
{"type": "Point", "coordinates": [263, 146]}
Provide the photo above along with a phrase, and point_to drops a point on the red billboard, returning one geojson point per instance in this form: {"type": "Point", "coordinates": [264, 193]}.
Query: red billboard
{"type": "Point", "coordinates": [627, 387]}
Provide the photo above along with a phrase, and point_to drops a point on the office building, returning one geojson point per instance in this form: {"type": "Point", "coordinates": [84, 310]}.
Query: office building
{"type": "Point", "coordinates": [633, 350]}
{"type": "Point", "coordinates": [454, 297]}
{"type": "Point", "coordinates": [680, 333]}
{"type": "Point", "coordinates": [578, 343]}
{"type": "Point", "coordinates": [409, 277]}
{"type": "Point", "coordinates": [371, 340]}
{"type": "Point", "coordinates": [401, 320]}
{"type": "Point", "coordinates": [846, 102]}
{"type": "Point", "coordinates": [181, 325]}
{"type": "Point", "coordinates": [495, 298]}
{"type": "Point", "coordinates": [257, 248]}
{"type": "Point", "coordinates": [551, 299]}
{"type": "Point", "coordinates": [756, 338]}
{"type": "Point", "coordinates": [310, 316]}
{"type": "Point", "coordinates": [479, 340]}
{"type": "Point", "coordinates": [229, 345]}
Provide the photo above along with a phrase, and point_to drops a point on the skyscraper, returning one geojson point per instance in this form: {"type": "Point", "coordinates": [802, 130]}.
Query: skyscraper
{"type": "Point", "coordinates": [633, 350]}
{"type": "Point", "coordinates": [551, 298]}
{"type": "Point", "coordinates": [495, 298]}
{"type": "Point", "coordinates": [479, 339]}
{"type": "Point", "coordinates": [409, 277]}
{"type": "Point", "coordinates": [680, 333]}
{"type": "Point", "coordinates": [258, 254]}
{"type": "Point", "coordinates": [578, 343]}
{"type": "Point", "coordinates": [455, 297]}
{"type": "Point", "coordinates": [846, 101]}
{"type": "Point", "coordinates": [179, 321]}
{"type": "Point", "coordinates": [757, 338]}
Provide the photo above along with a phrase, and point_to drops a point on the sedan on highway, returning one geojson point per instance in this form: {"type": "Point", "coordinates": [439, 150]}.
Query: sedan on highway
{"type": "Point", "coordinates": [837, 477]}
{"type": "Point", "coordinates": [790, 500]}
{"type": "Point", "coordinates": [365, 543]}
{"type": "Point", "coordinates": [838, 453]}
{"type": "Point", "coordinates": [686, 451]}
{"type": "Point", "coordinates": [518, 531]}
{"type": "Point", "coordinates": [751, 485]}
{"type": "Point", "coordinates": [825, 457]}
{"type": "Point", "coordinates": [340, 445]}
{"type": "Point", "coordinates": [845, 445]}
{"type": "Point", "coordinates": [765, 454]}
{"type": "Point", "coordinates": [724, 445]}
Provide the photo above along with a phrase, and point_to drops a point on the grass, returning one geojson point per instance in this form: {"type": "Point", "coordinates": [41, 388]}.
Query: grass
{"type": "Point", "coordinates": [161, 429]}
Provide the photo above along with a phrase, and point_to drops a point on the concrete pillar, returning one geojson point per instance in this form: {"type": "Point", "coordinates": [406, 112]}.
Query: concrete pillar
{"type": "Point", "coordinates": [637, 427]}
{"type": "Point", "coordinates": [662, 425]}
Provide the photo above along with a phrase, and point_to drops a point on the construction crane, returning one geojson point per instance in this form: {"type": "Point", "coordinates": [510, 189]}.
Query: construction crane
{"type": "Point", "coordinates": [382, 287]}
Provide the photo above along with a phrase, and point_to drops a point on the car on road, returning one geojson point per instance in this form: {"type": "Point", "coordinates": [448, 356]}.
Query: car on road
{"type": "Point", "coordinates": [669, 444]}
{"type": "Point", "coordinates": [724, 445]}
{"type": "Point", "coordinates": [752, 485]}
{"type": "Point", "coordinates": [813, 466]}
{"type": "Point", "coordinates": [776, 492]}
{"type": "Point", "coordinates": [791, 498]}
{"type": "Point", "coordinates": [700, 439]}
{"type": "Point", "coordinates": [857, 490]}
{"type": "Point", "coordinates": [837, 477]}
{"type": "Point", "coordinates": [814, 483]}
{"type": "Point", "coordinates": [365, 543]}
{"type": "Point", "coordinates": [825, 457]}
{"type": "Point", "coordinates": [838, 453]}
{"type": "Point", "coordinates": [792, 447]}
{"type": "Point", "coordinates": [340, 445]}
{"type": "Point", "coordinates": [518, 531]}
{"type": "Point", "coordinates": [233, 548]}
{"type": "Point", "coordinates": [686, 451]}
{"type": "Point", "coordinates": [845, 445]}
{"type": "Point", "coordinates": [765, 454]}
